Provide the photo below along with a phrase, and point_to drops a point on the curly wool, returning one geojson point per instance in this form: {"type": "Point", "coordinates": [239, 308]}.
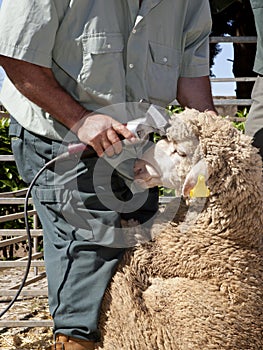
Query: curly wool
{"type": "Point", "coordinates": [197, 286]}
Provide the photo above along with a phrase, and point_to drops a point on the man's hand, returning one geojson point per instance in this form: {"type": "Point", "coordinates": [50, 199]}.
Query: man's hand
{"type": "Point", "coordinates": [103, 133]}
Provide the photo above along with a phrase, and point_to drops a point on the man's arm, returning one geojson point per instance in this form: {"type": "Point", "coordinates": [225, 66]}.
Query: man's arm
{"type": "Point", "coordinates": [195, 93]}
{"type": "Point", "coordinates": [39, 85]}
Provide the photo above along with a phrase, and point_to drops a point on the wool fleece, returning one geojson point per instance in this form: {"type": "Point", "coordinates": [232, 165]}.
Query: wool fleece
{"type": "Point", "coordinates": [197, 284]}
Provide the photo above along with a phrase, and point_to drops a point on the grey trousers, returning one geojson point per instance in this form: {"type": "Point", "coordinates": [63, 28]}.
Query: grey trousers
{"type": "Point", "coordinates": [82, 236]}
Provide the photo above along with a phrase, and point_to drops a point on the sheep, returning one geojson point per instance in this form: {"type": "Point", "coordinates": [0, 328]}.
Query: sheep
{"type": "Point", "coordinates": [196, 285]}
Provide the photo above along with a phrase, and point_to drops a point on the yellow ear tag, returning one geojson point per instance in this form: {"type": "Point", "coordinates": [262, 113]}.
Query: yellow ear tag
{"type": "Point", "coordinates": [200, 189]}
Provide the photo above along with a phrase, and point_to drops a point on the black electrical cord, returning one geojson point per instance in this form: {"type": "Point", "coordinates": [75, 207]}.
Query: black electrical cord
{"type": "Point", "coordinates": [74, 149]}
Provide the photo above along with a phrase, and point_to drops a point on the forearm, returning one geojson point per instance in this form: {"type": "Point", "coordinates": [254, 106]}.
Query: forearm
{"type": "Point", "coordinates": [40, 86]}
{"type": "Point", "coordinates": [195, 93]}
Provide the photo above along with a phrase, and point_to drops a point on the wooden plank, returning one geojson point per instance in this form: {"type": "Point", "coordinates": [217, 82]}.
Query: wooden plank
{"type": "Point", "coordinates": [19, 215]}
{"type": "Point", "coordinates": [233, 39]}
{"type": "Point", "coordinates": [35, 256]}
{"type": "Point", "coordinates": [11, 201]}
{"type": "Point", "coordinates": [232, 102]}
{"type": "Point", "coordinates": [166, 199]}
{"type": "Point", "coordinates": [12, 194]}
{"type": "Point", "coordinates": [32, 323]}
{"type": "Point", "coordinates": [219, 101]}
{"type": "Point", "coordinates": [29, 281]}
{"type": "Point", "coordinates": [231, 80]}
{"type": "Point", "coordinates": [7, 158]}
{"type": "Point", "coordinates": [17, 263]}
{"type": "Point", "coordinates": [7, 242]}
{"type": "Point", "coordinates": [25, 292]}
{"type": "Point", "coordinates": [19, 232]}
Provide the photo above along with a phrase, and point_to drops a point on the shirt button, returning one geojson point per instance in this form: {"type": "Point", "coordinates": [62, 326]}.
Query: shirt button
{"type": "Point", "coordinates": [165, 59]}
{"type": "Point", "coordinates": [109, 46]}
{"type": "Point", "coordinates": [131, 65]}
{"type": "Point", "coordinates": [134, 31]}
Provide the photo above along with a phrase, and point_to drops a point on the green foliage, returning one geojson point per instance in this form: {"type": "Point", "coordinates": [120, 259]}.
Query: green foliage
{"type": "Point", "coordinates": [175, 109]}
{"type": "Point", "coordinates": [166, 192]}
{"type": "Point", "coordinates": [10, 180]}
{"type": "Point", "coordinates": [240, 125]}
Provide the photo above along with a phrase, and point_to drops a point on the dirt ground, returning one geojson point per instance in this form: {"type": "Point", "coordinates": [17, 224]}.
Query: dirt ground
{"type": "Point", "coordinates": [25, 308]}
{"type": "Point", "coordinates": [37, 338]}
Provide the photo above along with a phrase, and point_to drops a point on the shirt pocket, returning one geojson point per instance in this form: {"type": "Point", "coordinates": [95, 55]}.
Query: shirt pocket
{"type": "Point", "coordinates": [162, 73]}
{"type": "Point", "coordinates": [103, 69]}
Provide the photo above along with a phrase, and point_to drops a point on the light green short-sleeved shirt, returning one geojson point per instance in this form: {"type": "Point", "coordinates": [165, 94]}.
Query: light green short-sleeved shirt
{"type": "Point", "coordinates": [104, 52]}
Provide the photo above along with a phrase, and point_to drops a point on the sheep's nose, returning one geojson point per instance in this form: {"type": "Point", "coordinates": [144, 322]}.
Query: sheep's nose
{"type": "Point", "coordinates": [140, 171]}
{"type": "Point", "coordinates": [139, 167]}
{"type": "Point", "coordinates": [144, 170]}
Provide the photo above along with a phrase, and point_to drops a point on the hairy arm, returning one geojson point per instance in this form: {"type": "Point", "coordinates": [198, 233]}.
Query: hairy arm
{"type": "Point", "coordinates": [196, 93]}
{"type": "Point", "coordinates": [39, 85]}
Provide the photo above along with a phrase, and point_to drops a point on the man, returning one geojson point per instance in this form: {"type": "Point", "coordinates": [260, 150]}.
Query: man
{"type": "Point", "coordinates": [254, 123]}
{"type": "Point", "coordinates": [69, 63]}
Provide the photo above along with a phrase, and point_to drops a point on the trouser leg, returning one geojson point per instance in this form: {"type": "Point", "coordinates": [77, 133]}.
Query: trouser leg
{"type": "Point", "coordinates": [258, 140]}
{"type": "Point", "coordinates": [79, 232]}
{"type": "Point", "coordinates": [254, 123]}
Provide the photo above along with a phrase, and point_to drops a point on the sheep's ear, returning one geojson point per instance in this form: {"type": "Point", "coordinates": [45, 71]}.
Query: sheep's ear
{"type": "Point", "coordinates": [199, 168]}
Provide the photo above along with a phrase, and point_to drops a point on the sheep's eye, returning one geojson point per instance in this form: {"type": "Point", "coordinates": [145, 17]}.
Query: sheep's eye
{"type": "Point", "coordinates": [181, 154]}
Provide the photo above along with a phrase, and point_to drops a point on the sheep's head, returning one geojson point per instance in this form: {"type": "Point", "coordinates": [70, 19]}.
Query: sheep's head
{"type": "Point", "coordinates": [176, 161]}
{"type": "Point", "coordinates": [199, 143]}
